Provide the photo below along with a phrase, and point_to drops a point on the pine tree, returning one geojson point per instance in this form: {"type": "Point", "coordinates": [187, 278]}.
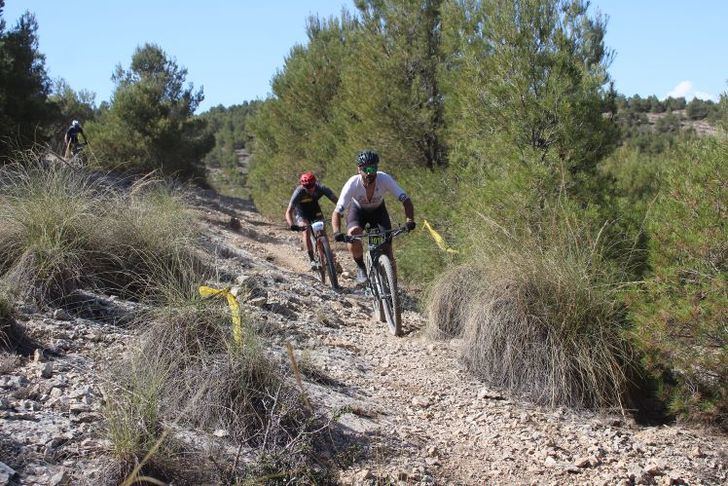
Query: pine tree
{"type": "Point", "coordinates": [150, 123]}
{"type": "Point", "coordinates": [392, 95]}
{"type": "Point", "coordinates": [25, 113]}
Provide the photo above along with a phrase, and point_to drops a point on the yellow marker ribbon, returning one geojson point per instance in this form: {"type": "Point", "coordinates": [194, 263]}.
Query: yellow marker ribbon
{"type": "Point", "coordinates": [234, 309]}
{"type": "Point", "coordinates": [438, 239]}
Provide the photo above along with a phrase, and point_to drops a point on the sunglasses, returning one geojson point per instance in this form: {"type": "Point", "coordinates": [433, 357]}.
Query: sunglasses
{"type": "Point", "coordinates": [369, 169]}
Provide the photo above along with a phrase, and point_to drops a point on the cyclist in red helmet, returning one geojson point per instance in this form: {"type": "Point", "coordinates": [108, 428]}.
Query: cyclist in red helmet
{"type": "Point", "coordinates": [303, 209]}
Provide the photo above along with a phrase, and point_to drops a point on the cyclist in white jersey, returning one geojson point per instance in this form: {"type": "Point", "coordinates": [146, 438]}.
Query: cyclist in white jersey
{"type": "Point", "coordinates": [363, 196]}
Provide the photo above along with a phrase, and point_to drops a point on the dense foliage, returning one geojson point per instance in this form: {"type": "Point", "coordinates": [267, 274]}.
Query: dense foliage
{"type": "Point", "coordinates": [681, 311]}
{"type": "Point", "coordinates": [499, 119]}
{"type": "Point", "coordinates": [25, 110]}
{"type": "Point", "coordinates": [150, 124]}
{"type": "Point", "coordinates": [229, 127]}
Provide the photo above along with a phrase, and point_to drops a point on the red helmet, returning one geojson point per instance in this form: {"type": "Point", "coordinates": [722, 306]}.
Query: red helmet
{"type": "Point", "coordinates": [307, 179]}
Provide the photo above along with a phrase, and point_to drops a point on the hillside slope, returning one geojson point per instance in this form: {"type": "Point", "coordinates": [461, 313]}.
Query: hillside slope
{"type": "Point", "coordinates": [409, 410]}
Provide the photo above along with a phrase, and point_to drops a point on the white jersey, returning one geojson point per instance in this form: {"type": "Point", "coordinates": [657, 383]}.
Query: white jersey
{"type": "Point", "coordinates": [354, 192]}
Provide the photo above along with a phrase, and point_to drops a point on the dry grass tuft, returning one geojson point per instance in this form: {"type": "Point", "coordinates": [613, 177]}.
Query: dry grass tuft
{"type": "Point", "coordinates": [448, 300]}
{"type": "Point", "coordinates": [63, 229]}
{"type": "Point", "coordinates": [543, 325]}
{"type": "Point", "coordinates": [186, 370]}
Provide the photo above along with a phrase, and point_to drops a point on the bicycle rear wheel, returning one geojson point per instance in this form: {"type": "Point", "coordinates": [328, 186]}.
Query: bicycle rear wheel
{"type": "Point", "coordinates": [327, 260]}
{"type": "Point", "coordinates": [389, 295]}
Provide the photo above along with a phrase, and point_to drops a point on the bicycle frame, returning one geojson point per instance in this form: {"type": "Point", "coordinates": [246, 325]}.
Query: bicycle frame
{"type": "Point", "coordinates": [323, 256]}
{"type": "Point", "coordinates": [316, 231]}
{"type": "Point", "coordinates": [377, 241]}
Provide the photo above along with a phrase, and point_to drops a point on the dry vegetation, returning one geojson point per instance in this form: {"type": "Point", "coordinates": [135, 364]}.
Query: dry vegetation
{"type": "Point", "coordinates": [542, 324]}
{"type": "Point", "coordinates": [63, 230]}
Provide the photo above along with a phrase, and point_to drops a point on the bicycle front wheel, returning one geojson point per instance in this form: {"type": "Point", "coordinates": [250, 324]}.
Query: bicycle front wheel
{"type": "Point", "coordinates": [327, 260]}
{"type": "Point", "coordinates": [390, 295]}
{"type": "Point", "coordinates": [318, 258]}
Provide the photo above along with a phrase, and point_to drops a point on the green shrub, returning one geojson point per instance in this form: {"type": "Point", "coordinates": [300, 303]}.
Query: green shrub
{"type": "Point", "coordinates": [681, 312]}
{"type": "Point", "coordinates": [150, 123]}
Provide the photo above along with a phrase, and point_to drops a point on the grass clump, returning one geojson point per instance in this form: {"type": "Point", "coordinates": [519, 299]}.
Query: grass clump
{"type": "Point", "coordinates": [46, 219]}
{"type": "Point", "coordinates": [187, 373]}
{"type": "Point", "coordinates": [61, 230]}
{"type": "Point", "coordinates": [540, 321]}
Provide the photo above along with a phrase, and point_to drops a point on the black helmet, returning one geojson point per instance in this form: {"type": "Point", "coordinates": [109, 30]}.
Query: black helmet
{"type": "Point", "coordinates": [367, 157]}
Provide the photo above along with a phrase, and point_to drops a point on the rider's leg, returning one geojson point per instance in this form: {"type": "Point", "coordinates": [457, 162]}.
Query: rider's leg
{"type": "Point", "coordinates": [355, 248]}
{"type": "Point", "coordinates": [382, 219]}
{"type": "Point", "coordinates": [306, 236]}
{"type": "Point", "coordinates": [354, 225]}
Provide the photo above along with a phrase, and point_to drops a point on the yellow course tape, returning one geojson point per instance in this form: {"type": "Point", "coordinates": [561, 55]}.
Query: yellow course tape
{"type": "Point", "coordinates": [438, 239]}
{"type": "Point", "coordinates": [234, 309]}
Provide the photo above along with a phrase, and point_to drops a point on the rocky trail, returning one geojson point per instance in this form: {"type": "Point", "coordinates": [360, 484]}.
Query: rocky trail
{"type": "Point", "coordinates": [417, 417]}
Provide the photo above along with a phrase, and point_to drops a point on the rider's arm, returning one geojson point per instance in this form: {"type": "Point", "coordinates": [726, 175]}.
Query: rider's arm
{"type": "Point", "coordinates": [342, 203]}
{"type": "Point", "coordinates": [409, 209]}
{"type": "Point", "coordinates": [329, 193]}
{"type": "Point", "coordinates": [289, 215]}
{"type": "Point", "coordinates": [391, 185]}
{"type": "Point", "coordinates": [347, 192]}
{"type": "Point", "coordinates": [336, 221]}
{"type": "Point", "coordinates": [292, 204]}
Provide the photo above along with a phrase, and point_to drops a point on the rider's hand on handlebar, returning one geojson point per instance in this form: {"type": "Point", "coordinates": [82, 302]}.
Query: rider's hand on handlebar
{"type": "Point", "coordinates": [295, 227]}
{"type": "Point", "coordinates": [410, 225]}
{"type": "Point", "coordinates": [340, 237]}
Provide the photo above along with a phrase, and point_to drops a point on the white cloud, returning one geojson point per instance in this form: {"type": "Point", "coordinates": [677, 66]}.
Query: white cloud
{"type": "Point", "coordinates": [683, 88]}
{"type": "Point", "coordinates": [705, 96]}
{"type": "Point", "coordinates": [687, 90]}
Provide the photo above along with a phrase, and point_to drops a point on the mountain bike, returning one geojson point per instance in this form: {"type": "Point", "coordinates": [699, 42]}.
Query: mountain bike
{"type": "Point", "coordinates": [77, 156]}
{"type": "Point", "coordinates": [382, 282]}
{"type": "Point", "coordinates": [323, 258]}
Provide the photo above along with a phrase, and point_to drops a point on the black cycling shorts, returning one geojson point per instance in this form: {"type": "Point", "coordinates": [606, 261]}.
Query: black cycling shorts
{"type": "Point", "coordinates": [310, 214]}
{"type": "Point", "coordinates": [360, 217]}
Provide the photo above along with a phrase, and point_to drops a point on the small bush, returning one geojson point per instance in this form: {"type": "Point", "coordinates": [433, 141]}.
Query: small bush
{"type": "Point", "coordinates": [542, 323]}
{"type": "Point", "coordinates": [186, 370]}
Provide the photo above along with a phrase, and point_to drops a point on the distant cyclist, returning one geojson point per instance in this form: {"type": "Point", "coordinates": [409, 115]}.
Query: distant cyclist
{"type": "Point", "coordinates": [304, 208]}
{"type": "Point", "coordinates": [363, 195]}
{"type": "Point", "coordinates": [70, 140]}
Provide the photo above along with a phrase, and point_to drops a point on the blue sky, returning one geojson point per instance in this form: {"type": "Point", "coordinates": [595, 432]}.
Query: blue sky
{"type": "Point", "coordinates": [233, 48]}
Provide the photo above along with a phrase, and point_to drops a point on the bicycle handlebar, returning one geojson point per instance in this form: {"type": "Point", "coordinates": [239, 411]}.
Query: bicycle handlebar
{"type": "Point", "coordinates": [392, 233]}
{"type": "Point", "coordinates": [315, 225]}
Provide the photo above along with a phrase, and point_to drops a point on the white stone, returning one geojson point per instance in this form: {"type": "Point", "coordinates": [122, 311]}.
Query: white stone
{"type": "Point", "coordinates": [58, 478]}
{"type": "Point", "coordinates": [420, 401]}
{"type": "Point", "coordinates": [6, 473]}
{"type": "Point", "coordinates": [45, 371]}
